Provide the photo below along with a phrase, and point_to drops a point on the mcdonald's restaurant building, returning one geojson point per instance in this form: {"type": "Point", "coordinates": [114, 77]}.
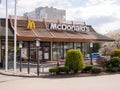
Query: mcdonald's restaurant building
{"type": "Point", "coordinates": [56, 37]}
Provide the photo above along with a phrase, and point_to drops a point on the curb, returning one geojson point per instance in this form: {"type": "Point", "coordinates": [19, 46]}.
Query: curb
{"type": "Point", "coordinates": [22, 75]}
{"type": "Point", "coordinates": [58, 76]}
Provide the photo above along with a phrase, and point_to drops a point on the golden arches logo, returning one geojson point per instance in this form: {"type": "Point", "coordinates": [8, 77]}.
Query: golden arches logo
{"type": "Point", "coordinates": [31, 25]}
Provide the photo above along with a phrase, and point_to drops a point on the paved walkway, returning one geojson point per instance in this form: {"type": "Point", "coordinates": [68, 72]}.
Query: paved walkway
{"type": "Point", "coordinates": [24, 73]}
{"type": "Point", "coordinates": [106, 82]}
{"type": "Point", "coordinates": [24, 81]}
{"type": "Point", "coordinates": [33, 71]}
{"type": "Point", "coordinates": [43, 70]}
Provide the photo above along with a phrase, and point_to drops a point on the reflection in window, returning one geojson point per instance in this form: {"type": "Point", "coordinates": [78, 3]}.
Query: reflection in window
{"type": "Point", "coordinates": [57, 51]}
{"type": "Point", "coordinates": [67, 46]}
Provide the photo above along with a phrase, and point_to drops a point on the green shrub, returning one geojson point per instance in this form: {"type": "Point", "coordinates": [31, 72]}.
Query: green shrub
{"type": "Point", "coordinates": [74, 60]}
{"type": "Point", "coordinates": [114, 64]}
{"type": "Point", "coordinates": [96, 70]}
{"type": "Point", "coordinates": [87, 68]}
{"type": "Point", "coordinates": [58, 70]}
{"type": "Point", "coordinates": [53, 70]}
{"type": "Point", "coordinates": [63, 69]}
{"type": "Point", "coordinates": [114, 69]}
{"type": "Point", "coordinates": [116, 53]}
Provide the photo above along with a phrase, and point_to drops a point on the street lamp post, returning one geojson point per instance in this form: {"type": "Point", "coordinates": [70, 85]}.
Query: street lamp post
{"type": "Point", "coordinates": [91, 46]}
{"type": "Point", "coordinates": [37, 59]}
{"type": "Point", "coordinates": [6, 38]}
{"type": "Point", "coordinates": [20, 46]}
{"type": "Point", "coordinates": [3, 56]}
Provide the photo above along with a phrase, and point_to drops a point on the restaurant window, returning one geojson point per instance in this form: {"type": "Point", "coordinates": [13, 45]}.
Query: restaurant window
{"type": "Point", "coordinates": [79, 46]}
{"type": "Point", "coordinates": [45, 44]}
{"type": "Point", "coordinates": [85, 49]}
{"type": "Point", "coordinates": [57, 51]}
{"type": "Point", "coordinates": [32, 51]}
{"type": "Point", "coordinates": [25, 50]}
{"type": "Point", "coordinates": [45, 51]}
{"type": "Point", "coordinates": [10, 52]}
{"type": "Point", "coordinates": [67, 46]}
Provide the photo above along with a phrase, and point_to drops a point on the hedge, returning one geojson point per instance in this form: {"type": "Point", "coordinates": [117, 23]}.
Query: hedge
{"type": "Point", "coordinates": [59, 70]}
{"type": "Point", "coordinates": [114, 64]}
{"type": "Point", "coordinates": [87, 68]}
{"type": "Point", "coordinates": [96, 70]}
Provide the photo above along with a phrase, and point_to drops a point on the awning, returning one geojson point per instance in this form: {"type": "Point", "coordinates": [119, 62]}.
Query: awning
{"type": "Point", "coordinates": [3, 30]}
{"type": "Point", "coordinates": [42, 32]}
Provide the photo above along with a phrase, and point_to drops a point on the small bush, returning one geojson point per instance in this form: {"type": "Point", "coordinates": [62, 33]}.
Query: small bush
{"type": "Point", "coordinates": [53, 70]}
{"type": "Point", "coordinates": [116, 53]}
{"type": "Point", "coordinates": [114, 69]}
{"type": "Point", "coordinates": [87, 68]}
{"type": "Point", "coordinates": [114, 62]}
{"type": "Point", "coordinates": [63, 69]}
{"type": "Point", "coordinates": [58, 70]}
{"type": "Point", "coordinates": [74, 60]}
{"type": "Point", "coordinates": [96, 70]}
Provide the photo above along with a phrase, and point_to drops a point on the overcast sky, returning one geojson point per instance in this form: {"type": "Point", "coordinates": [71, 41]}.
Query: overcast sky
{"type": "Point", "coordinates": [103, 15]}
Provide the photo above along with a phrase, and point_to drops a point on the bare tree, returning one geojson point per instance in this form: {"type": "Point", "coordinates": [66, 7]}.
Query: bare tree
{"type": "Point", "coordinates": [115, 35]}
{"type": "Point", "coordinates": [117, 40]}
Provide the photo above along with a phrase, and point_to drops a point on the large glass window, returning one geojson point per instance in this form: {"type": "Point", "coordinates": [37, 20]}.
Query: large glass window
{"type": "Point", "coordinates": [45, 51]}
{"type": "Point", "coordinates": [67, 46]}
{"type": "Point", "coordinates": [32, 51]}
{"type": "Point", "coordinates": [57, 49]}
{"type": "Point", "coordinates": [79, 46]}
{"type": "Point", "coordinates": [10, 52]}
{"type": "Point", "coordinates": [85, 49]}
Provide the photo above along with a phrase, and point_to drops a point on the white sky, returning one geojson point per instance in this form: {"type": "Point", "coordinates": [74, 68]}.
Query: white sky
{"type": "Point", "coordinates": [103, 15]}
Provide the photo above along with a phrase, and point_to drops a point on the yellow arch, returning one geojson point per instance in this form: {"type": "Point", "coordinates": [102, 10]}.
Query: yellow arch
{"type": "Point", "coordinates": [31, 25]}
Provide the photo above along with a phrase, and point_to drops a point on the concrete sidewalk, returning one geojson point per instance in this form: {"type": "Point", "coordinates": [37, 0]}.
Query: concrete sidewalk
{"type": "Point", "coordinates": [43, 70]}
{"type": "Point", "coordinates": [24, 73]}
{"type": "Point", "coordinates": [106, 82]}
{"type": "Point", "coordinates": [46, 74]}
